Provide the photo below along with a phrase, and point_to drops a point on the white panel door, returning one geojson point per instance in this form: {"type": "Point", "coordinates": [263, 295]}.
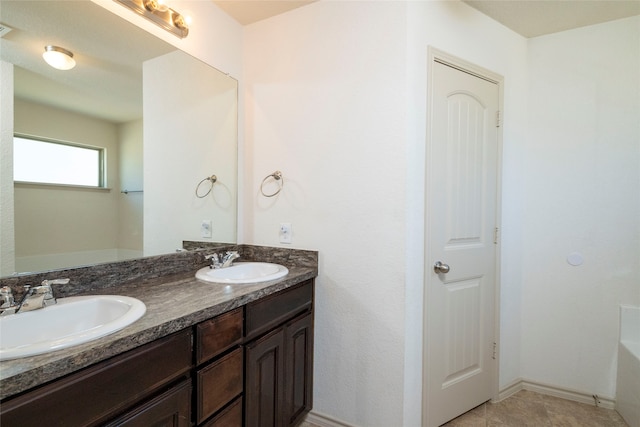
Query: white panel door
{"type": "Point", "coordinates": [461, 222]}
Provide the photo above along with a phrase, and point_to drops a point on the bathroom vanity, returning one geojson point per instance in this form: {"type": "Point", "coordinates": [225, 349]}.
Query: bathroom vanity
{"type": "Point", "coordinates": [204, 354]}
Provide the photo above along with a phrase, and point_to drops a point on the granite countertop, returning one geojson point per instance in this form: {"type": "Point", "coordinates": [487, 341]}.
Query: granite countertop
{"type": "Point", "coordinates": [173, 303]}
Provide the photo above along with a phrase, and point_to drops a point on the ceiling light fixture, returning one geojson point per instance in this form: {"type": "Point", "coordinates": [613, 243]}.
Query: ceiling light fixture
{"type": "Point", "coordinates": [162, 15]}
{"type": "Point", "coordinates": [58, 57]}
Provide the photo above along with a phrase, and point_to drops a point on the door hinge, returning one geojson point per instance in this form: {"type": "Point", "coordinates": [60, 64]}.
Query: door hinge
{"type": "Point", "coordinates": [495, 236]}
{"type": "Point", "coordinates": [498, 124]}
{"type": "Point", "coordinates": [495, 350]}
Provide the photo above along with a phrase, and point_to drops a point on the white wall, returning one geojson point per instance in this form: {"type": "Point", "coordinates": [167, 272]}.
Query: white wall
{"type": "Point", "coordinates": [325, 95]}
{"type": "Point", "coordinates": [336, 99]}
{"type": "Point", "coordinates": [460, 30]}
{"type": "Point", "coordinates": [214, 37]}
{"type": "Point", "coordinates": [7, 235]}
{"type": "Point", "coordinates": [582, 195]}
{"type": "Point", "coordinates": [186, 139]}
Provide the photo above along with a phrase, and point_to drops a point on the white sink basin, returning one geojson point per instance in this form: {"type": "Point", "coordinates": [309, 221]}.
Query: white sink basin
{"type": "Point", "coordinates": [72, 321]}
{"type": "Point", "coordinates": [243, 272]}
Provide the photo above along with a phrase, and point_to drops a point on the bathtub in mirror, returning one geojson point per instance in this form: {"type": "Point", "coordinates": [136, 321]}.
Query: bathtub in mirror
{"type": "Point", "coordinates": [182, 127]}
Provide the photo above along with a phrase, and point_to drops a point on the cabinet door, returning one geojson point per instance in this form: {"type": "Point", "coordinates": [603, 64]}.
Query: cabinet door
{"type": "Point", "coordinates": [298, 379]}
{"type": "Point", "coordinates": [264, 391]}
{"type": "Point", "coordinates": [170, 409]}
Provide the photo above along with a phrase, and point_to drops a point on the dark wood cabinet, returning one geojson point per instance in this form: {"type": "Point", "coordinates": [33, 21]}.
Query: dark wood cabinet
{"type": "Point", "coordinates": [96, 394]}
{"type": "Point", "coordinates": [279, 364]}
{"type": "Point", "coordinates": [298, 365]}
{"type": "Point", "coordinates": [218, 384]}
{"type": "Point", "coordinates": [170, 409]}
{"type": "Point", "coordinates": [251, 366]}
{"type": "Point", "coordinates": [264, 389]}
{"type": "Point", "coordinates": [219, 334]}
{"type": "Point", "coordinates": [231, 416]}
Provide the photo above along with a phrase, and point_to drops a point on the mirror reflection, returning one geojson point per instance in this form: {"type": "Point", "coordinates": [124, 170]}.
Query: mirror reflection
{"type": "Point", "coordinates": [143, 103]}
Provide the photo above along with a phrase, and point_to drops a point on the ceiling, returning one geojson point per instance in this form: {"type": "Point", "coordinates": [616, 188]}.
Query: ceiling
{"type": "Point", "coordinates": [530, 18]}
{"type": "Point", "coordinates": [107, 82]}
{"type": "Point", "coordinates": [117, 67]}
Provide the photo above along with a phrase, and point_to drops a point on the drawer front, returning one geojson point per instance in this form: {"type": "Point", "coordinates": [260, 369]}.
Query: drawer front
{"type": "Point", "coordinates": [102, 391]}
{"type": "Point", "coordinates": [171, 409]}
{"type": "Point", "coordinates": [219, 383]}
{"type": "Point", "coordinates": [231, 416]}
{"type": "Point", "coordinates": [269, 312]}
{"type": "Point", "coordinates": [218, 334]}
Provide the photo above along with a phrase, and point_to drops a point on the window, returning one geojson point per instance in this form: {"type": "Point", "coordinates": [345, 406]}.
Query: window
{"type": "Point", "coordinates": [54, 162]}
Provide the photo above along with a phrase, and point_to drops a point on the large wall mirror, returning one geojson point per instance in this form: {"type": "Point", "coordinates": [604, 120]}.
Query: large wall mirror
{"type": "Point", "coordinates": [165, 120]}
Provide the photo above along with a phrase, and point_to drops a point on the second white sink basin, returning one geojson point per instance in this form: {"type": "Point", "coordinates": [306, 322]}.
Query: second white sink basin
{"type": "Point", "coordinates": [243, 272]}
{"type": "Point", "coordinates": [72, 321]}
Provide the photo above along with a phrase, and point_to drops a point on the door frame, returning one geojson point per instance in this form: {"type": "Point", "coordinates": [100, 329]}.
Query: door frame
{"type": "Point", "coordinates": [436, 55]}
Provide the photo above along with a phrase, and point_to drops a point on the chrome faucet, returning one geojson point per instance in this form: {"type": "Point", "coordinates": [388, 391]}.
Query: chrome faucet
{"type": "Point", "coordinates": [34, 297]}
{"type": "Point", "coordinates": [222, 261]}
{"type": "Point", "coordinates": [229, 257]}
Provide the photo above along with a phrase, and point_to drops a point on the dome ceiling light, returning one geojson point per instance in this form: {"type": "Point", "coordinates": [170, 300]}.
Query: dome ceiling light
{"type": "Point", "coordinates": [59, 58]}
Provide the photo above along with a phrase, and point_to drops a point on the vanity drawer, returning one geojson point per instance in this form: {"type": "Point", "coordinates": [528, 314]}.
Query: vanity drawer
{"type": "Point", "coordinates": [219, 383]}
{"type": "Point", "coordinates": [269, 312]}
{"type": "Point", "coordinates": [94, 394]}
{"type": "Point", "coordinates": [231, 416]}
{"type": "Point", "coordinates": [171, 409]}
{"type": "Point", "coordinates": [218, 334]}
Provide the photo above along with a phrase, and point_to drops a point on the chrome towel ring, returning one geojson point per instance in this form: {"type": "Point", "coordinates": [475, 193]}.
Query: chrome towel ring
{"type": "Point", "coordinates": [277, 176]}
{"type": "Point", "coordinates": [212, 179]}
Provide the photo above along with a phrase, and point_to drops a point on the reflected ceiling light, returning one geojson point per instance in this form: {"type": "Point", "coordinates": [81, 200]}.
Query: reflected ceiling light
{"type": "Point", "coordinates": [58, 57]}
{"type": "Point", "coordinates": [161, 14]}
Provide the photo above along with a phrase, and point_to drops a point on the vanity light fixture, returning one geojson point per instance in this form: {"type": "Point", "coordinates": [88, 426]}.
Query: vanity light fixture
{"type": "Point", "coordinates": [160, 14]}
{"type": "Point", "coordinates": [58, 57]}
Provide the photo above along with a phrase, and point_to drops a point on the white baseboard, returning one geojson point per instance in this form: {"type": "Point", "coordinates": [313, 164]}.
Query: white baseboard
{"type": "Point", "coordinates": [551, 390]}
{"type": "Point", "coordinates": [323, 420]}
{"type": "Point", "coordinates": [509, 390]}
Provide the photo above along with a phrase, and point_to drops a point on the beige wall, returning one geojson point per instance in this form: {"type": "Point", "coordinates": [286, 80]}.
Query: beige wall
{"type": "Point", "coordinates": [54, 222]}
{"type": "Point", "coordinates": [130, 171]}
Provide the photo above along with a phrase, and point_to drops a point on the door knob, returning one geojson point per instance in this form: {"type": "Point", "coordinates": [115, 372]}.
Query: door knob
{"type": "Point", "coordinates": [439, 267]}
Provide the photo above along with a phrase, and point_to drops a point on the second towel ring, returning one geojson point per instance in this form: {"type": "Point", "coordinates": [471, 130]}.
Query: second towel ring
{"type": "Point", "coordinates": [212, 179]}
{"type": "Point", "coordinates": [277, 175]}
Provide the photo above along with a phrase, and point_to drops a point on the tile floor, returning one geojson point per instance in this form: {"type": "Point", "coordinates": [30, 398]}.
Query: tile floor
{"type": "Point", "coordinates": [529, 409]}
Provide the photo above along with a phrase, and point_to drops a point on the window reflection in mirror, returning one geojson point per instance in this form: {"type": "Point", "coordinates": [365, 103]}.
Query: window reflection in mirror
{"type": "Point", "coordinates": [56, 162]}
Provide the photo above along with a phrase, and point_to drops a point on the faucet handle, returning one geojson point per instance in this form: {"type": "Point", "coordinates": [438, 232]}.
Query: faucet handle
{"type": "Point", "coordinates": [215, 260]}
{"type": "Point", "coordinates": [46, 290]}
{"type": "Point", "coordinates": [6, 295]}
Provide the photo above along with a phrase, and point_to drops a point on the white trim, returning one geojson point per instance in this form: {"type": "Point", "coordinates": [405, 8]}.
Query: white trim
{"type": "Point", "coordinates": [509, 390]}
{"type": "Point", "coordinates": [323, 420]}
{"type": "Point", "coordinates": [436, 55]}
{"type": "Point", "coordinates": [555, 391]}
